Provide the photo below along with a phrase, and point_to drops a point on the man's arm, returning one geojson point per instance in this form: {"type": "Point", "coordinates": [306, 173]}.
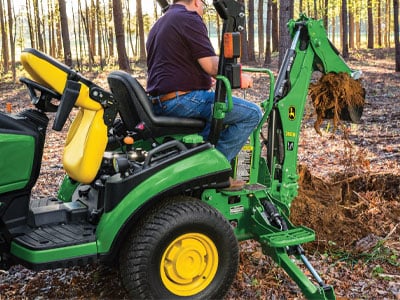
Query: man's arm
{"type": "Point", "coordinates": [209, 65]}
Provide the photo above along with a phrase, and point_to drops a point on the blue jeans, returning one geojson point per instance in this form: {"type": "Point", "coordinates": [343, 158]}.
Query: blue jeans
{"type": "Point", "coordinates": [239, 123]}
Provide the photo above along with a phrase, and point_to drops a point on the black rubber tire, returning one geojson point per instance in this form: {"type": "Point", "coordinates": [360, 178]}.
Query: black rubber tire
{"type": "Point", "coordinates": [141, 255]}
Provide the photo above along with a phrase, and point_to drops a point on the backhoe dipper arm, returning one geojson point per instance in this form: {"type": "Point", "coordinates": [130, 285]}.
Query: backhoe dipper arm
{"type": "Point", "coordinates": [310, 51]}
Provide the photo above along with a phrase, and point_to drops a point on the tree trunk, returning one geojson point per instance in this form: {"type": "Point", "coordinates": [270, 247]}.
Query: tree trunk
{"type": "Point", "coordinates": [351, 25]}
{"type": "Point", "coordinates": [268, 24]}
{"type": "Point", "coordinates": [42, 17]}
{"type": "Point", "coordinates": [396, 33]}
{"type": "Point", "coordinates": [285, 14]}
{"type": "Point", "coordinates": [139, 17]}
{"type": "Point", "coordinates": [81, 38]}
{"type": "Point", "coordinates": [38, 27]}
{"type": "Point", "coordinates": [379, 24]}
{"type": "Point", "coordinates": [129, 30]}
{"type": "Point", "coordinates": [4, 42]}
{"type": "Point", "coordinates": [110, 28]}
{"type": "Point", "coordinates": [58, 30]}
{"type": "Point", "coordinates": [30, 24]}
{"type": "Point", "coordinates": [250, 32]}
{"type": "Point", "coordinates": [51, 29]}
{"type": "Point", "coordinates": [315, 10]}
{"type": "Point", "coordinates": [65, 33]}
{"type": "Point", "coordinates": [99, 21]}
{"type": "Point", "coordinates": [387, 21]}
{"type": "Point", "coordinates": [92, 27]}
{"type": "Point", "coordinates": [123, 60]}
{"type": "Point", "coordinates": [77, 39]}
{"type": "Point", "coordinates": [357, 25]}
{"type": "Point", "coordinates": [370, 26]}
{"type": "Point", "coordinates": [260, 22]}
{"type": "Point", "coordinates": [86, 23]}
{"type": "Point", "coordinates": [345, 33]}
{"type": "Point", "coordinates": [12, 38]}
{"type": "Point", "coordinates": [275, 27]}
{"type": "Point", "coordinates": [325, 17]}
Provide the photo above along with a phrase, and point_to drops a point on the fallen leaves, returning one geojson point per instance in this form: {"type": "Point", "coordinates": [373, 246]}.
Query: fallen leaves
{"type": "Point", "coordinates": [349, 195]}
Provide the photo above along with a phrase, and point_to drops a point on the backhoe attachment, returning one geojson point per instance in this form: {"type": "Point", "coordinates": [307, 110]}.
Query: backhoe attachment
{"type": "Point", "coordinates": [339, 94]}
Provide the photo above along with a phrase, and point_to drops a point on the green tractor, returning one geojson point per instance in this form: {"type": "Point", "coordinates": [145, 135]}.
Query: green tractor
{"type": "Point", "coordinates": [147, 191]}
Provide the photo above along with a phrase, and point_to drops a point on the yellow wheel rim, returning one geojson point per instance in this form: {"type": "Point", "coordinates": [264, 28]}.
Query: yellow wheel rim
{"type": "Point", "coordinates": [189, 264]}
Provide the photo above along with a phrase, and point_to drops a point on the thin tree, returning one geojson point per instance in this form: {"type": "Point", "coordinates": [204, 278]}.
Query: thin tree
{"type": "Point", "coordinates": [65, 33]}
{"type": "Point", "coordinates": [30, 24]}
{"type": "Point", "coordinates": [345, 30]}
{"type": "Point", "coordinates": [38, 24]}
{"type": "Point", "coordinates": [285, 14]}
{"type": "Point", "coordinates": [76, 39]}
{"type": "Point", "coordinates": [379, 24]}
{"type": "Point", "coordinates": [129, 30]}
{"type": "Point", "coordinates": [250, 31]}
{"type": "Point", "coordinates": [99, 33]}
{"type": "Point", "coordinates": [260, 25]}
{"type": "Point", "coordinates": [12, 38]}
{"type": "Point", "coordinates": [139, 18]}
{"type": "Point", "coordinates": [326, 12]}
{"type": "Point", "coordinates": [396, 33]}
{"type": "Point", "coordinates": [104, 32]}
{"type": "Point", "coordinates": [275, 26]}
{"type": "Point", "coordinates": [51, 28]}
{"type": "Point", "coordinates": [333, 26]}
{"type": "Point", "coordinates": [92, 27]}
{"type": "Point", "coordinates": [58, 30]}
{"type": "Point", "coordinates": [351, 23]}
{"type": "Point", "coordinates": [86, 21]}
{"type": "Point", "coordinates": [4, 42]}
{"type": "Point", "coordinates": [315, 10]}
{"type": "Point", "coordinates": [357, 24]}
{"type": "Point", "coordinates": [110, 28]}
{"type": "Point", "coordinates": [123, 60]}
{"type": "Point", "coordinates": [387, 21]}
{"type": "Point", "coordinates": [268, 25]}
{"type": "Point", "coordinates": [370, 26]}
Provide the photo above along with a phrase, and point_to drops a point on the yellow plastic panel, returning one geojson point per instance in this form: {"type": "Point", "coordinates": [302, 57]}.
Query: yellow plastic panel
{"type": "Point", "coordinates": [45, 71]}
{"type": "Point", "coordinates": [85, 145]}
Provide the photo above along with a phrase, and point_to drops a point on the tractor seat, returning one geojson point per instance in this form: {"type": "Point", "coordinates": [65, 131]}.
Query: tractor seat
{"type": "Point", "coordinates": [135, 109]}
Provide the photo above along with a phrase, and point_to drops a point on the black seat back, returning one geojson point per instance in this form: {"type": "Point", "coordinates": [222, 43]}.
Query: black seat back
{"type": "Point", "coordinates": [135, 108]}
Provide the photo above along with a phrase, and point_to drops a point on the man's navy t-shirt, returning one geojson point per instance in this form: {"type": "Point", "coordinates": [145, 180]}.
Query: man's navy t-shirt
{"type": "Point", "coordinates": [175, 43]}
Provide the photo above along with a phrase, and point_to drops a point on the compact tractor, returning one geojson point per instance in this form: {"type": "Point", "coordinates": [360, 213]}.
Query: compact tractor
{"type": "Point", "coordinates": [148, 191]}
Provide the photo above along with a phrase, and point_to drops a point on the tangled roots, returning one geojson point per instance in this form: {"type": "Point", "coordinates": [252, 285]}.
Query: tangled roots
{"type": "Point", "coordinates": [337, 96]}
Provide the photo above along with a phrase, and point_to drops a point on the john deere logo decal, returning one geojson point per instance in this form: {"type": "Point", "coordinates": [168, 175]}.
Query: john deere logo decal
{"type": "Point", "coordinates": [292, 113]}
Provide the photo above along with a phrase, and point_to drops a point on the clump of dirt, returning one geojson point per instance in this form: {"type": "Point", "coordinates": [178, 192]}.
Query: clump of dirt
{"type": "Point", "coordinates": [337, 96]}
{"type": "Point", "coordinates": [348, 211]}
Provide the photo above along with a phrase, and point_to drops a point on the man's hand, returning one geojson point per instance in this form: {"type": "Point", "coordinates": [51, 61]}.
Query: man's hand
{"type": "Point", "coordinates": [246, 81]}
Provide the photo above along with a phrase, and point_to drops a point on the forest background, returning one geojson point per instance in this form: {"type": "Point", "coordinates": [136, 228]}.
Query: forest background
{"type": "Point", "coordinates": [112, 33]}
{"type": "Point", "coordinates": [349, 187]}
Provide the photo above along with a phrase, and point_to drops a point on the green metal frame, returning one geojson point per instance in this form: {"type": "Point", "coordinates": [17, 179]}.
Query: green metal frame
{"type": "Point", "coordinates": [244, 208]}
{"type": "Point", "coordinates": [274, 182]}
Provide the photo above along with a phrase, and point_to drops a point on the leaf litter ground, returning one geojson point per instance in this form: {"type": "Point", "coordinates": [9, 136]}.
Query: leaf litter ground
{"type": "Point", "coordinates": [349, 194]}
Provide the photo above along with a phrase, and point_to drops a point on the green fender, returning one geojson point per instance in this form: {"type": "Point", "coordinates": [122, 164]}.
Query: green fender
{"type": "Point", "coordinates": [17, 152]}
{"type": "Point", "coordinates": [207, 162]}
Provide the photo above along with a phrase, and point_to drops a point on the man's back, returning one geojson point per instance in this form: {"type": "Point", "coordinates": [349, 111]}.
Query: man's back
{"type": "Point", "coordinates": [175, 43]}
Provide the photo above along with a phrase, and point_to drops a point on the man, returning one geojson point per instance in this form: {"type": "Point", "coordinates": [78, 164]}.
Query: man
{"type": "Point", "coordinates": [181, 65]}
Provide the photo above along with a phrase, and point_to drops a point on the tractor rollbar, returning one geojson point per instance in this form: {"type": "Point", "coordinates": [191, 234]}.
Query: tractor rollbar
{"type": "Point", "coordinates": [233, 15]}
{"type": "Point", "coordinates": [164, 5]}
